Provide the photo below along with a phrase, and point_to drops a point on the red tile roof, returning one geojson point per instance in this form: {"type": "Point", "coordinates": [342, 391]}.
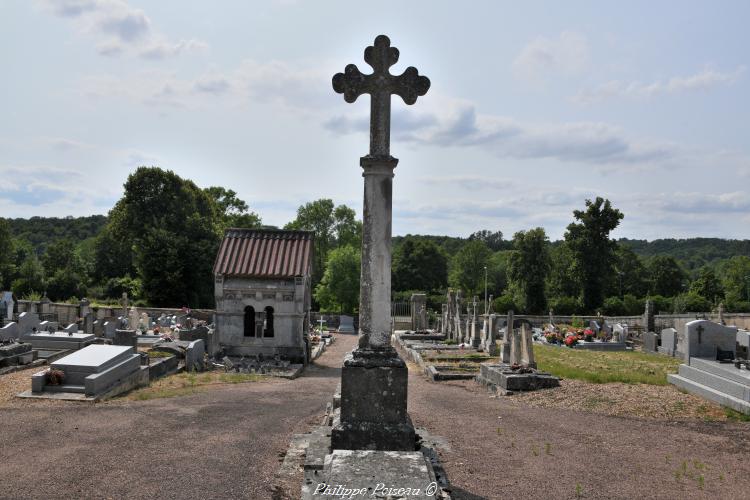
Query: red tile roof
{"type": "Point", "coordinates": [264, 253]}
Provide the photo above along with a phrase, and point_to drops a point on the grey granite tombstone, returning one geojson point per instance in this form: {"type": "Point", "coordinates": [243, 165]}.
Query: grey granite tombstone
{"type": "Point", "coordinates": [109, 328]}
{"type": "Point", "coordinates": [28, 322]}
{"type": "Point", "coordinates": [490, 344]}
{"type": "Point", "coordinates": [505, 344]}
{"type": "Point", "coordinates": [650, 342]}
{"type": "Point", "coordinates": [527, 347]}
{"type": "Point", "coordinates": [669, 342]}
{"type": "Point", "coordinates": [374, 378]}
{"type": "Point", "coordinates": [194, 356]}
{"type": "Point", "coordinates": [9, 331]}
{"type": "Point", "coordinates": [703, 338]}
{"type": "Point", "coordinates": [346, 324]}
{"type": "Point", "coordinates": [126, 337]}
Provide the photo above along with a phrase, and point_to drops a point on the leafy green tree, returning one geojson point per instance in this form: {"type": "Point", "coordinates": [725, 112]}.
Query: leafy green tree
{"type": "Point", "coordinates": [630, 276]}
{"type": "Point", "coordinates": [419, 264]}
{"type": "Point", "coordinates": [467, 267]}
{"type": "Point", "coordinates": [339, 288]}
{"type": "Point", "coordinates": [666, 276]}
{"type": "Point", "coordinates": [593, 250]}
{"type": "Point", "coordinates": [173, 230]}
{"type": "Point", "coordinates": [233, 211]}
{"type": "Point", "coordinates": [566, 305]}
{"type": "Point", "coordinates": [529, 266]}
{"type": "Point", "coordinates": [735, 277]}
{"type": "Point", "coordinates": [708, 286]}
{"type": "Point", "coordinates": [493, 239]}
{"type": "Point", "coordinates": [66, 276]}
{"type": "Point", "coordinates": [563, 281]}
{"type": "Point", "coordinates": [30, 277]}
{"type": "Point", "coordinates": [113, 250]}
{"type": "Point", "coordinates": [690, 302]}
{"type": "Point", "coordinates": [6, 253]}
{"type": "Point", "coordinates": [498, 268]}
{"type": "Point", "coordinates": [332, 226]}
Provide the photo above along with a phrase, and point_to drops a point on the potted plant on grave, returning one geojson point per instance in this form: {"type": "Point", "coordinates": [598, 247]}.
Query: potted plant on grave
{"type": "Point", "coordinates": [55, 377]}
{"type": "Point", "coordinates": [571, 340]}
{"type": "Point", "coordinates": [588, 335]}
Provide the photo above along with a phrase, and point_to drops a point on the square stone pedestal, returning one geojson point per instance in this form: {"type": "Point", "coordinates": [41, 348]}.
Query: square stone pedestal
{"type": "Point", "coordinates": [373, 403]}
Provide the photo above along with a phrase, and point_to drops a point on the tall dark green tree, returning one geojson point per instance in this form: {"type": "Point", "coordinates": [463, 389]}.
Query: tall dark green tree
{"type": "Point", "coordinates": [631, 277]}
{"type": "Point", "coordinates": [467, 267]}
{"type": "Point", "coordinates": [493, 239]}
{"type": "Point", "coordinates": [172, 228]}
{"type": "Point", "coordinates": [6, 254]}
{"type": "Point", "coordinates": [339, 289]}
{"type": "Point", "coordinates": [65, 271]}
{"type": "Point", "coordinates": [529, 266]}
{"type": "Point", "coordinates": [593, 250]}
{"type": "Point", "coordinates": [332, 226]}
{"type": "Point", "coordinates": [708, 286]}
{"type": "Point", "coordinates": [563, 281]}
{"type": "Point", "coordinates": [418, 264]}
{"type": "Point", "coordinates": [233, 212]}
{"type": "Point", "coordinates": [666, 276]}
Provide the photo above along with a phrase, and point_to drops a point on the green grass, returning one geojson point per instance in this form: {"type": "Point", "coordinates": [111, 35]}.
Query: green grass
{"type": "Point", "coordinates": [628, 367]}
{"type": "Point", "coordinates": [159, 354]}
{"type": "Point", "coordinates": [185, 384]}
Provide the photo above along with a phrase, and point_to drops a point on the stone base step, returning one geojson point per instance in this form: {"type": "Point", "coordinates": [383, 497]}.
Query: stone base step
{"type": "Point", "coordinates": [716, 382]}
{"type": "Point", "coordinates": [709, 393]}
{"type": "Point", "coordinates": [724, 370]}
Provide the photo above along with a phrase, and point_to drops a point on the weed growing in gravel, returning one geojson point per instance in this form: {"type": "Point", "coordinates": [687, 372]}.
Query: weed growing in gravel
{"type": "Point", "coordinates": [499, 431]}
{"type": "Point", "coordinates": [605, 367]}
{"type": "Point", "coordinates": [547, 449]}
{"type": "Point", "coordinates": [736, 416]}
{"type": "Point", "coordinates": [535, 450]}
{"type": "Point", "coordinates": [579, 490]}
{"type": "Point", "coordinates": [701, 481]}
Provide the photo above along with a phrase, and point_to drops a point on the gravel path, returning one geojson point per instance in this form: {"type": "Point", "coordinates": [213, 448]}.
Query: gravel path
{"type": "Point", "coordinates": [222, 443]}
{"type": "Point", "coordinates": [228, 443]}
{"type": "Point", "coordinates": [501, 448]}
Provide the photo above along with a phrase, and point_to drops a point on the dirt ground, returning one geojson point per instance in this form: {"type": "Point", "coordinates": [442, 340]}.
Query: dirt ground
{"type": "Point", "coordinates": [228, 442]}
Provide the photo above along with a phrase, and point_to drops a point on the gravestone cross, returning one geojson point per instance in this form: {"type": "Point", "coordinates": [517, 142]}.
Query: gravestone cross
{"type": "Point", "coordinates": [373, 377]}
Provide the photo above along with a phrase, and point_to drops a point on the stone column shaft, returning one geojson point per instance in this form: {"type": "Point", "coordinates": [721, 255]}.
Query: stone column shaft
{"type": "Point", "coordinates": [375, 283]}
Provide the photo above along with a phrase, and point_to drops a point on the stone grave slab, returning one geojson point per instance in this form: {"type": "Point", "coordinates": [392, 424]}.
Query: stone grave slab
{"type": "Point", "coordinates": [59, 340]}
{"type": "Point", "coordinates": [346, 324]}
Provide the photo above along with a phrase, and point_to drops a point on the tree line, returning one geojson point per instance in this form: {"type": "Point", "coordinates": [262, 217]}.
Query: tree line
{"type": "Point", "coordinates": [159, 241]}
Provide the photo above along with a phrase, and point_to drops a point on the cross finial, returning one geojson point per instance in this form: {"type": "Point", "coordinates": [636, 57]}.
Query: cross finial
{"type": "Point", "coordinates": [380, 85]}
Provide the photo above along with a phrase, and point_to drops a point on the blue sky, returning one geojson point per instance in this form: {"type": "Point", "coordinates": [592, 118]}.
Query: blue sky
{"type": "Point", "coordinates": [534, 107]}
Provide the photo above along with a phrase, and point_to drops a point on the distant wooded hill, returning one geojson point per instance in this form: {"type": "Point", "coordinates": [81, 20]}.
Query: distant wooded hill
{"type": "Point", "coordinates": [692, 253]}
{"type": "Point", "coordinates": [41, 231]}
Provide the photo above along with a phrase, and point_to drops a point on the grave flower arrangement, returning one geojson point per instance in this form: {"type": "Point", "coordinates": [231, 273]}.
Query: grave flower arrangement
{"type": "Point", "coordinates": [588, 335]}
{"type": "Point", "coordinates": [553, 337]}
{"type": "Point", "coordinates": [571, 340]}
{"type": "Point", "coordinates": [55, 377]}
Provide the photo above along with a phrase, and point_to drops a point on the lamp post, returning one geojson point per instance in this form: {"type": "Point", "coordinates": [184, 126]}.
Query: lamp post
{"type": "Point", "coordinates": [485, 290]}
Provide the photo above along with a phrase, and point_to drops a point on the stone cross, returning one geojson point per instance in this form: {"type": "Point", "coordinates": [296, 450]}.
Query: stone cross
{"type": "Point", "coordinates": [375, 286]}
{"type": "Point", "coordinates": [374, 379]}
{"type": "Point", "coordinates": [380, 85]}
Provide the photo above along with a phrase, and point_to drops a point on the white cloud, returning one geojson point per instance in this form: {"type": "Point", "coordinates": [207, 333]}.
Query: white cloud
{"type": "Point", "coordinates": [703, 80]}
{"type": "Point", "coordinates": [120, 28]}
{"type": "Point", "coordinates": [451, 122]}
{"type": "Point", "coordinates": [568, 54]}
